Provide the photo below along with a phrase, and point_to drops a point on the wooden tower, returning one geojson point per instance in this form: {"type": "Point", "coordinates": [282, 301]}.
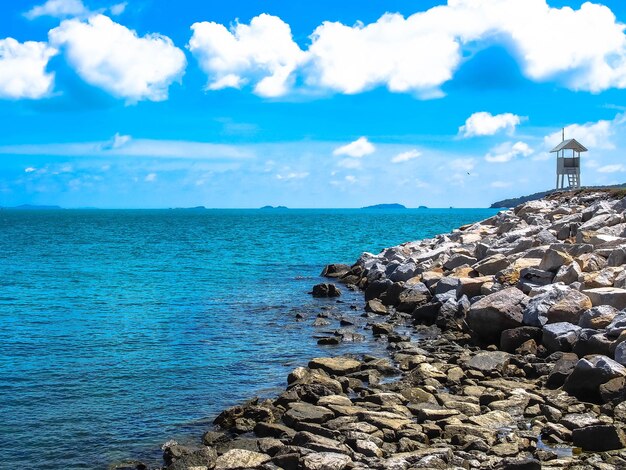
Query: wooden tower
{"type": "Point", "coordinates": [568, 165]}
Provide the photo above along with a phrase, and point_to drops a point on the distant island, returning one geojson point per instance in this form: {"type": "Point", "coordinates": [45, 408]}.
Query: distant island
{"type": "Point", "coordinates": [273, 207]}
{"type": "Point", "coordinates": [196, 208]}
{"type": "Point", "coordinates": [385, 206]}
{"type": "Point", "coordinates": [33, 207]}
{"type": "Point", "coordinates": [516, 201]}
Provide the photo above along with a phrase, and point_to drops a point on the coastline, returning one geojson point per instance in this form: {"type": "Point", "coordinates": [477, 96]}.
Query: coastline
{"type": "Point", "coordinates": [485, 366]}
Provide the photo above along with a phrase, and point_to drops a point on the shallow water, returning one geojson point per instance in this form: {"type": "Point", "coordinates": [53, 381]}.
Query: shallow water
{"type": "Point", "coordinates": [121, 329]}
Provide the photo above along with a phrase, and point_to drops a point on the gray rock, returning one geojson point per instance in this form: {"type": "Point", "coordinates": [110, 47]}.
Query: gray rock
{"type": "Point", "coordinates": [488, 361]}
{"type": "Point", "coordinates": [335, 365]}
{"type": "Point", "coordinates": [325, 461]}
{"type": "Point", "coordinates": [562, 370]}
{"type": "Point", "coordinates": [325, 290]}
{"type": "Point", "coordinates": [554, 259]}
{"type": "Point", "coordinates": [591, 372]}
{"type": "Point", "coordinates": [620, 353]}
{"type": "Point", "coordinates": [589, 341]}
{"type": "Point", "coordinates": [598, 317]}
{"type": "Point", "coordinates": [537, 311]}
{"type": "Point", "coordinates": [560, 336]}
{"type": "Point", "coordinates": [602, 437]}
{"type": "Point", "coordinates": [491, 265]}
{"type": "Point", "coordinates": [301, 411]}
{"type": "Point", "coordinates": [457, 260]}
{"type": "Point", "coordinates": [497, 312]}
{"type": "Point", "coordinates": [403, 272]}
{"type": "Point", "coordinates": [617, 325]}
{"type": "Point", "coordinates": [568, 274]}
{"type": "Point", "coordinates": [613, 296]}
{"type": "Point", "coordinates": [512, 339]}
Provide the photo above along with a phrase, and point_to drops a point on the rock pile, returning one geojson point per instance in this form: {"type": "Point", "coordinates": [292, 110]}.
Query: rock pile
{"type": "Point", "coordinates": [507, 348]}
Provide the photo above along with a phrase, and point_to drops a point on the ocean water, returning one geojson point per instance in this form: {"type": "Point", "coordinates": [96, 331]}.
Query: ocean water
{"type": "Point", "coordinates": [122, 329]}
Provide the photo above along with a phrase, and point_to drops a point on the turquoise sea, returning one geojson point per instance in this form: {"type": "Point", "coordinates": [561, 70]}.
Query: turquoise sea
{"type": "Point", "coordinates": [120, 329]}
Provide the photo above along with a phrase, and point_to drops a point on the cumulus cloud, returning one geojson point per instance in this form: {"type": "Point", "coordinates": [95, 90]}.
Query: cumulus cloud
{"type": "Point", "coordinates": [116, 142]}
{"type": "Point", "coordinates": [114, 58]}
{"type": "Point", "coordinates": [357, 149]}
{"type": "Point", "coordinates": [262, 52]}
{"type": "Point", "coordinates": [618, 167]}
{"type": "Point", "coordinates": [150, 177]}
{"type": "Point", "coordinates": [483, 123]}
{"type": "Point", "coordinates": [508, 151]}
{"type": "Point", "coordinates": [592, 135]}
{"type": "Point", "coordinates": [29, 169]}
{"type": "Point", "coordinates": [583, 49]}
{"type": "Point", "coordinates": [406, 156]}
{"type": "Point", "coordinates": [23, 69]}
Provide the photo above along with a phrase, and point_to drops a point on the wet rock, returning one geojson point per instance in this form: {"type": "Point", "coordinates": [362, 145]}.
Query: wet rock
{"type": "Point", "coordinates": [376, 288]}
{"type": "Point", "coordinates": [319, 443]}
{"type": "Point", "coordinates": [591, 372]}
{"type": "Point", "coordinates": [178, 457]}
{"type": "Point", "coordinates": [379, 329]}
{"type": "Point", "coordinates": [335, 365]}
{"type": "Point", "coordinates": [325, 290]}
{"type": "Point", "coordinates": [497, 312]}
{"type": "Point", "coordinates": [376, 306]}
{"type": "Point", "coordinates": [579, 420]}
{"type": "Point", "coordinates": [599, 438]}
{"type": "Point", "coordinates": [236, 459]}
{"type": "Point", "coordinates": [335, 270]}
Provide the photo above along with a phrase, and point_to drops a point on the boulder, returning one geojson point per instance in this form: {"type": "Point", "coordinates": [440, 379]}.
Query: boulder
{"type": "Point", "coordinates": [620, 353]}
{"type": "Point", "coordinates": [562, 370]}
{"type": "Point", "coordinates": [376, 306]}
{"type": "Point", "coordinates": [457, 260]}
{"type": "Point", "coordinates": [488, 361]}
{"type": "Point", "coordinates": [335, 270]}
{"type": "Point", "coordinates": [556, 303]}
{"type": "Point", "coordinates": [491, 265]}
{"type": "Point", "coordinates": [302, 411]}
{"type": "Point", "coordinates": [236, 459]}
{"type": "Point", "coordinates": [325, 290]}
{"type": "Point", "coordinates": [403, 272]}
{"type": "Point", "coordinates": [553, 260]}
{"type": "Point", "coordinates": [560, 336]}
{"type": "Point", "coordinates": [590, 341]}
{"type": "Point", "coordinates": [335, 365]}
{"type": "Point", "coordinates": [179, 457]}
{"type": "Point", "coordinates": [601, 437]}
{"type": "Point", "coordinates": [497, 312]}
{"type": "Point", "coordinates": [325, 461]}
{"type": "Point", "coordinates": [513, 338]}
{"type": "Point", "coordinates": [597, 317]}
{"type": "Point", "coordinates": [375, 289]}
{"type": "Point", "coordinates": [613, 296]}
{"type": "Point", "coordinates": [589, 373]}
{"type": "Point", "coordinates": [568, 274]}
{"type": "Point", "coordinates": [590, 262]}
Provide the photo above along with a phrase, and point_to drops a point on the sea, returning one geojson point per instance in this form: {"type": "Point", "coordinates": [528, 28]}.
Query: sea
{"type": "Point", "coordinates": [121, 329]}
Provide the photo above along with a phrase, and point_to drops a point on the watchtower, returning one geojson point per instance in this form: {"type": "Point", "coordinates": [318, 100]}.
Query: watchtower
{"type": "Point", "coordinates": [568, 165]}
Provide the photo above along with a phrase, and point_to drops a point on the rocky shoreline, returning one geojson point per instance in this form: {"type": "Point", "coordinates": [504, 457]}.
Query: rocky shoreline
{"type": "Point", "coordinates": [507, 350]}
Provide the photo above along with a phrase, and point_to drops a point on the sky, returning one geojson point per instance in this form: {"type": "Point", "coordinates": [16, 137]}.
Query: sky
{"type": "Point", "coordinates": [154, 103]}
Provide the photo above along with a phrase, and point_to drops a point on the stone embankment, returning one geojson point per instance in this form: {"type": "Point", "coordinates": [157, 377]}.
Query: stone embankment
{"type": "Point", "coordinates": [507, 342]}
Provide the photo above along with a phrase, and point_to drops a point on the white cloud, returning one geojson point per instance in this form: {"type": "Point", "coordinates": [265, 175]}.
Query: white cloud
{"type": "Point", "coordinates": [618, 167]}
{"type": "Point", "coordinates": [350, 179]}
{"type": "Point", "coordinates": [29, 169]}
{"type": "Point", "coordinates": [116, 142]}
{"type": "Point", "coordinates": [462, 164]}
{"type": "Point", "coordinates": [70, 9]}
{"type": "Point", "coordinates": [419, 53]}
{"type": "Point", "coordinates": [349, 163]}
{"type": "Point", "coordinates": [118, 8]}
{"type": "Point", "coordinates": [292, 176]}
{"type": "Point", "coordinates": [406, 156]}
{"type": "Point", "coordinates": [262, 52]}
{"type": "Point", "coordinates": [593, 135]}
{"type": "Point", "coordinates": [501, 184]}
{"type": "Point", "coordinates": [483, 123]}
{"type": "Point", "coordinates": [58, 9]}
{"type": "Point", "coordinates": [508, 151]}
{"type": "Point", "coordinates": [151, 148]}
{"type": "Point", "coordinates": [150, 177]}
{"type": "Point", "coordinates": [114, 58]}
{"type": "Point", "coordinates": [23, 69]}
{"type": "Point", "coordinates": [357, 149]}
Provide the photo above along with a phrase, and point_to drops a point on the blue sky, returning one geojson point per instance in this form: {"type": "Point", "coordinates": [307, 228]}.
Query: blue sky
{"type": "Point", "coordinates": [152, 103]}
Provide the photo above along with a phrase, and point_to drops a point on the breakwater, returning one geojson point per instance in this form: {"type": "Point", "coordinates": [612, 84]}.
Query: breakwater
{"type": "Point", "coordinates": [506, 349]}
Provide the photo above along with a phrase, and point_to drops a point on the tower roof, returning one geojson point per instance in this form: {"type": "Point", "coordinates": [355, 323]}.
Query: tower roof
{"type": "Point", "coordinates": [571, 144]}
